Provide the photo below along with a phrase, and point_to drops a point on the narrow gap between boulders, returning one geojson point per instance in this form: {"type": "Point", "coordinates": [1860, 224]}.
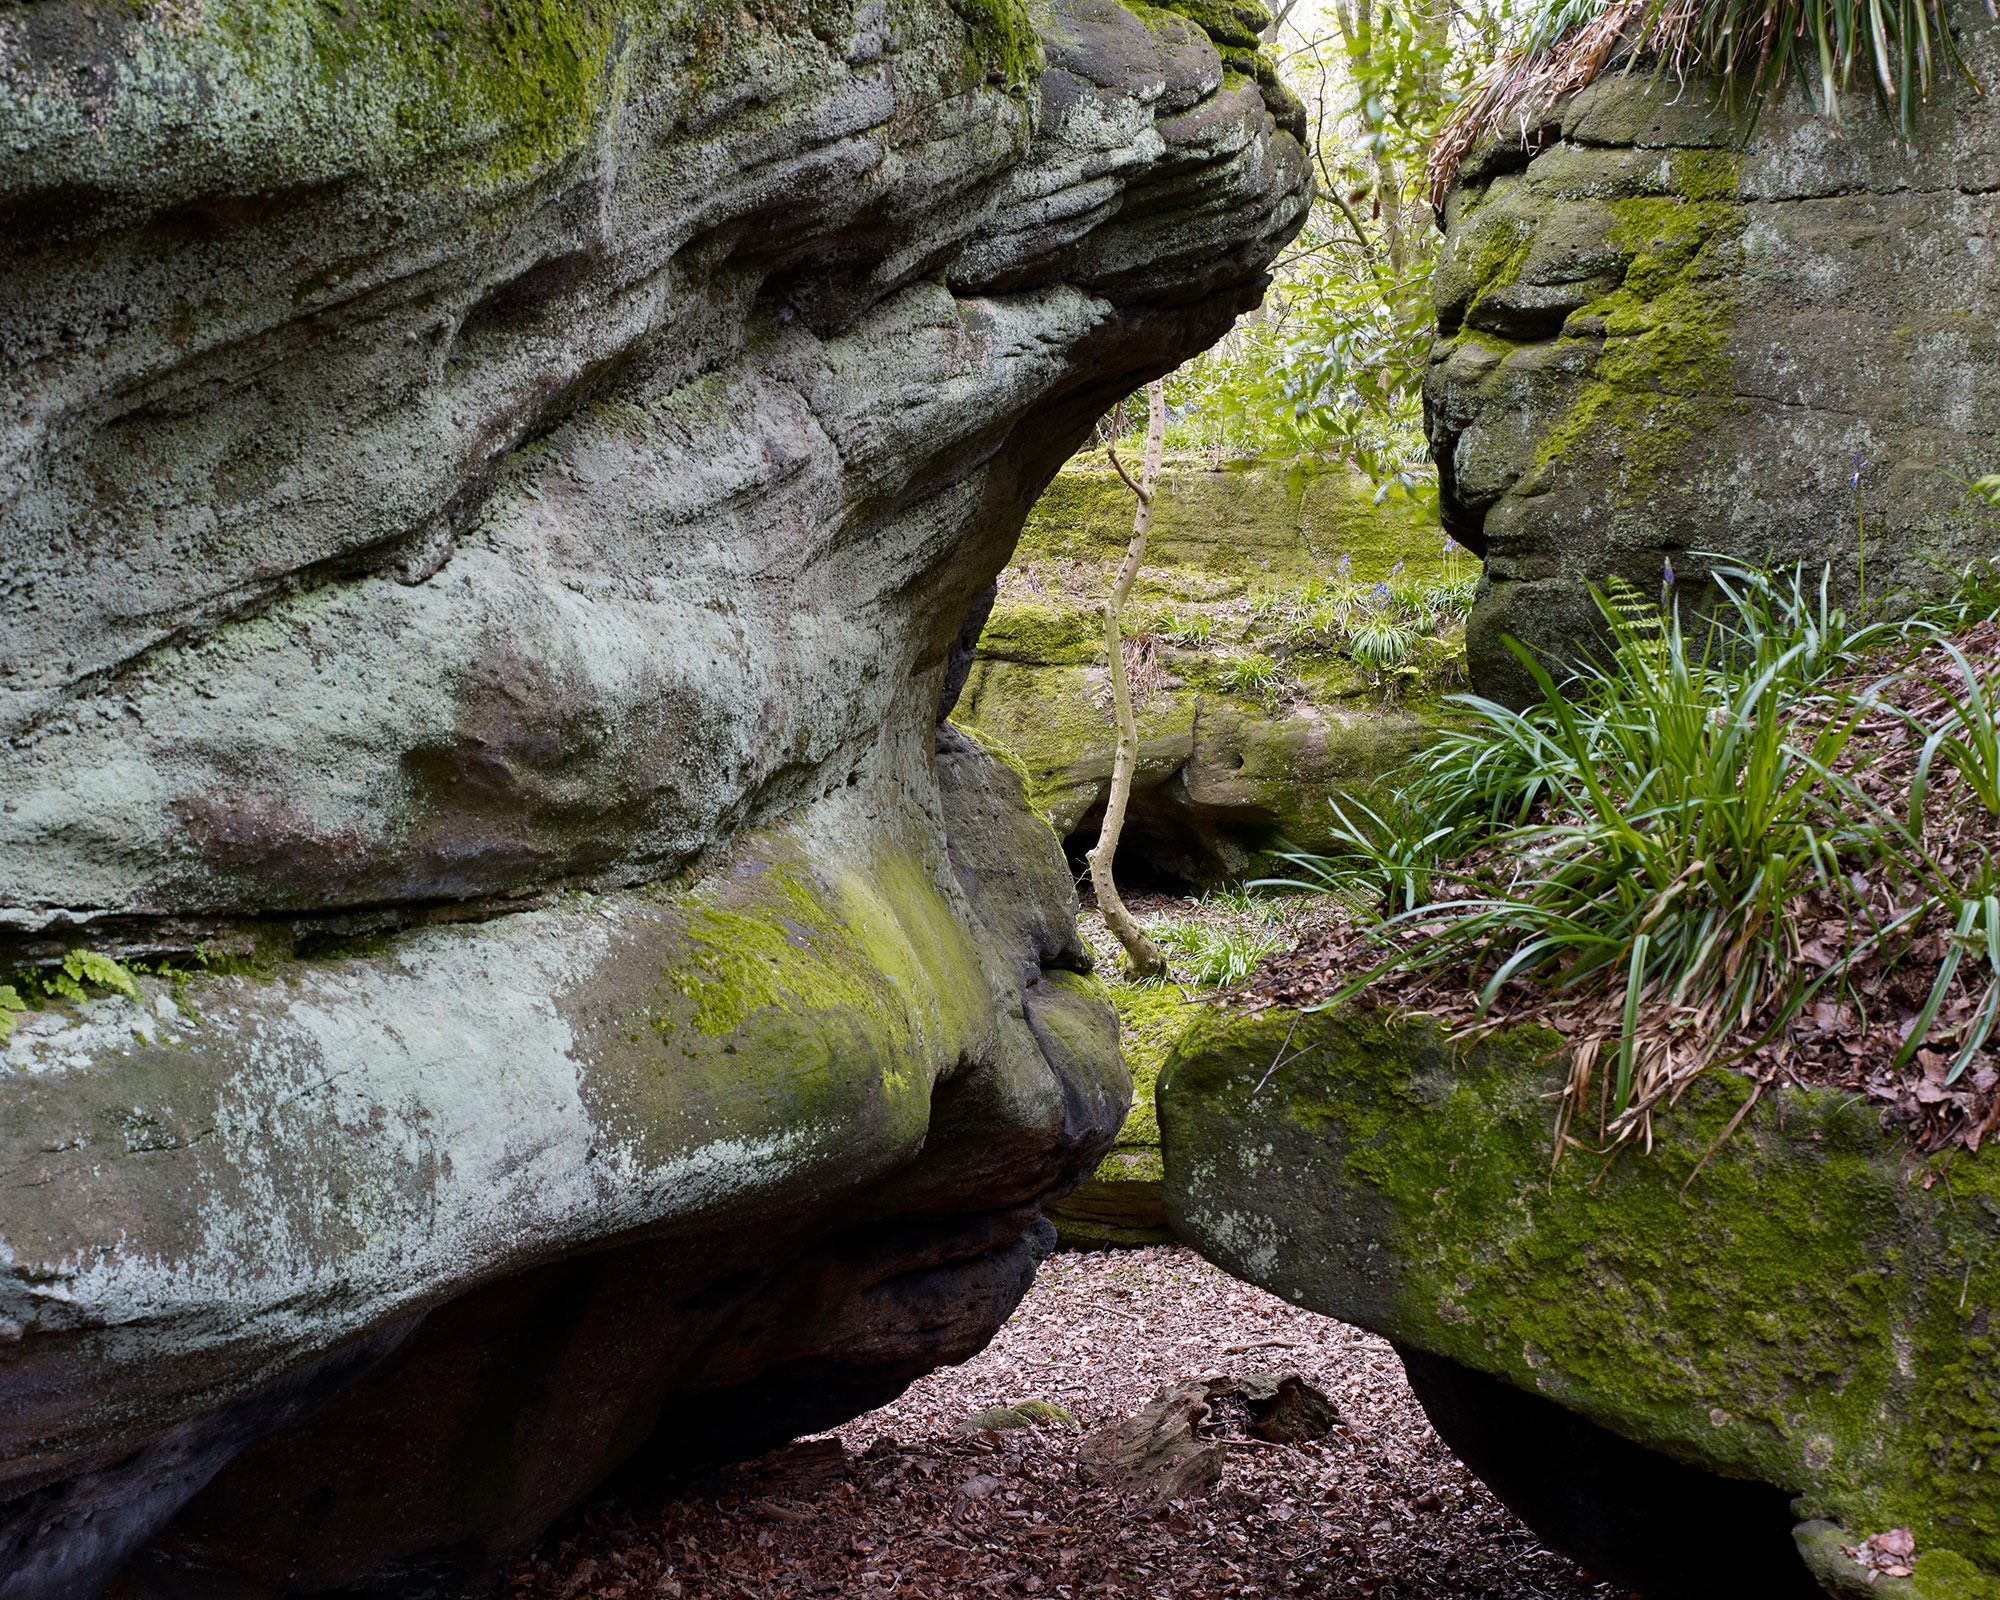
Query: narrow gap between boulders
{"type": "Point", "coordinates": [896, 1502]}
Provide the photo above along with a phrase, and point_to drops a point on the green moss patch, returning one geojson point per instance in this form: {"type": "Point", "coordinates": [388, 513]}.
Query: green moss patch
{"type": "Point", "coordinates": [801, 991]}
{"type": "Point", "coordinates": [1121, 1203]}
{"type": "Point", "coordinates": [1665, 366]}
{"type": "Point", "coordinates": [1812, 1307]}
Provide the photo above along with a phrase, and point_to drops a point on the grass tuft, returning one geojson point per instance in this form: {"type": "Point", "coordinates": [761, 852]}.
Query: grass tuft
{"type": "Point", "coordinates": [1752, 46]}
{"type": "Point", "coordinates": [1639, 847]}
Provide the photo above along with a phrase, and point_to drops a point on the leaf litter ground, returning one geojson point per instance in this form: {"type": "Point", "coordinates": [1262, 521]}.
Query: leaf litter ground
{"type": "Point", "coordinates": [895, 1503]}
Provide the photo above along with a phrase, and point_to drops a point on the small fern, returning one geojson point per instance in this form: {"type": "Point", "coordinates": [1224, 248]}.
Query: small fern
{"type": "Point", "coordinates": [66, 982]}
{"type": "Point", "coordinates": [1641, 632]}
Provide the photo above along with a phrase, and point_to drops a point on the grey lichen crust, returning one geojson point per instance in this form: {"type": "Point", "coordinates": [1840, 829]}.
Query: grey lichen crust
{"type": "Point", "coordinates": [1663, 332]}
{"type": "Point", "coordinates": [395, 517]}
{"type": "Point", "coordinates": [486, 497]}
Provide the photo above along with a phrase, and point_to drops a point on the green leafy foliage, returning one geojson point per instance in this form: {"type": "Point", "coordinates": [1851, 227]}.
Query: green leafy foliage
{"type": "Point", "coordinates": [1331, 367]}
{"type": "Point", "coordinates": [1221, 942]}
{"type": "Point", "coordinates": [1640, 839]}
{"type": "Point", "coordinates": [1380, 626]}
{"type": "Point", "coordinates": [1188, 629]}
{"type": "Point", "coordinates": [1257, 674]}
{"type": "Point", "coordinates": [67, 981]}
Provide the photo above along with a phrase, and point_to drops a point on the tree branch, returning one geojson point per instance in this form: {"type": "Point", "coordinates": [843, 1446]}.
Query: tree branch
{"type": "Point", "coordinates": [1145, 495]}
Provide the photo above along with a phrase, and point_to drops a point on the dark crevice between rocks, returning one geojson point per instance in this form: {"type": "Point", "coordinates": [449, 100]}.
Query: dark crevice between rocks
{"type": "Point", "coordinates": [1170, 845]}
{"type": "Point", "coordinates": [1154, 856]}
{"type": "Point", "coordinates": [123, 1503]}
{"type": "Point", "coordinates": [1636, 1516]}
{"type": "Point", "coordinates": [964, 647]}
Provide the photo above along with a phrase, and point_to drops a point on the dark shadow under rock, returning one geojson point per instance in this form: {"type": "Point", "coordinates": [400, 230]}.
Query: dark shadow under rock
{"type": "Point", "coordinates": [1630, 1514]}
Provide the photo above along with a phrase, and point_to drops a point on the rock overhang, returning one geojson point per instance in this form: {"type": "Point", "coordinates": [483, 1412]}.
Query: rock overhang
{"type": "Point", "coordinates": [489, 494]}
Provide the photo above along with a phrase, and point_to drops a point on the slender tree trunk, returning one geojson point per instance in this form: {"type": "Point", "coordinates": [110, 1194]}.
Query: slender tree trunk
{"type": "Point", "coordinates": [1389, 201]}
{"type": "Point", "coordinates": [1142, 956]}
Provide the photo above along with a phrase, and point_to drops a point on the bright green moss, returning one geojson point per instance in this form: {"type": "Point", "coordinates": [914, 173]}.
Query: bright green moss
{"type": "Point", "coordinates": [804, 990]}
{"type": "Point", "coordinates": [1003, 42]}
{"type": "Point", "coordinates": [1804, 1309]}
{"type": "Point", "coordinates": [1119, 1205]}
{"type": "Point", "coordinates": [1497, 262]}
{"type": "Point", "coordinates": [1664, 371]}
{"type": "Point", "coordinates": [1947, 1575]}
{"type": "Point", "coordinates": [1041, 633]}
{"type": "Point", "coordinates": [1261, 523]}
{"type": "Point", "coordinates": [1037, 688]}
{"type": "Point", "coordinates": [1228, 22]}
{"type": "Point", "coordinates": [521, 82]}
{"type": "Point", "coordinates": [1165, 21]}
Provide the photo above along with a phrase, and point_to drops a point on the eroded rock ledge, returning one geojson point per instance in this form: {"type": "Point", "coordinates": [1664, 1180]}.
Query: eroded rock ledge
{"type": "Point", "coordinates": [486, 498]}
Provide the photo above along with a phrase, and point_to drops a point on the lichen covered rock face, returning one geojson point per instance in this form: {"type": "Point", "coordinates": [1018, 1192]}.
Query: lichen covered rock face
{"type": "Point", "coordinates": [1663, 334]}
{"type": "Point", "coordinates": [1809, 1307]}
{"type": "Point", "coordinates": [487, 494]}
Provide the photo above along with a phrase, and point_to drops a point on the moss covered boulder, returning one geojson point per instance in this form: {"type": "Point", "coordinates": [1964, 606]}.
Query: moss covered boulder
{"type": "Point", "coordinates": [1663, 332]}
{"type": "Point", "coordinates": [1811, 1308]}
{"type": "Point", "coordinates": [1252, 712]}
{"type": "Point", "coordinates": [1122, 1203]}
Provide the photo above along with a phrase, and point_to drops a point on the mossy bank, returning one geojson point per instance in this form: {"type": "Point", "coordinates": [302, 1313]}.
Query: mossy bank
{"type": "Point", "coordinates": [1251, 717]}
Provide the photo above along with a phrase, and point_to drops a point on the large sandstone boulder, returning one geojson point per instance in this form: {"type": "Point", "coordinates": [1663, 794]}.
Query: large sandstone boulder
{"type": "Point", "coordinates": [1663, 332]}
{"type": "Point", "coordinates": [1646, 1357]}
{"type": "Point", "coordinates": [487, 498]}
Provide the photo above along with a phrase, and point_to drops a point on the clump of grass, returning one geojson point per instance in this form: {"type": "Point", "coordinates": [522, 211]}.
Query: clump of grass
{"type": "Point", "coordinates": [1379, 642]}
{"type": "Point", "coordinates": [1191, 630]}
{"type": "Point", "coordinates": [1450, 597]}
{"type": "Point", "coordinates": [1636, 844]}
{"type": "Point", "coordinates": [1236, 900]}
{"type": "Point", "coordinates": [1255, 674]}
{"type": "Point", "coordinates": [1214, 953]}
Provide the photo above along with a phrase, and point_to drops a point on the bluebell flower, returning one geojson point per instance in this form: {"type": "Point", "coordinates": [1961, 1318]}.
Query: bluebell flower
{"type": "Point", "coordinates": [1860, 467]}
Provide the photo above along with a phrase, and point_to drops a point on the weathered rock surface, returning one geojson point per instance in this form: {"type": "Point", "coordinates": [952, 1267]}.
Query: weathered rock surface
{"type": "Point", "coordinates": [487, 495]}
{"type": "Point", "coordinates": [1657, 338]}
{"type": "Point", "coordinates": [1222, 773]}
{"type": "Point", "coordinates": [1809, 1311]}
{"type": "Point", "coordinates": [1120, 1204]}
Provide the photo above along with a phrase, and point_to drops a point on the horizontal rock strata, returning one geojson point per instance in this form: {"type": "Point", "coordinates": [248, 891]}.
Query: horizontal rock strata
{"type": "Point", "coordinates": [487, 497]}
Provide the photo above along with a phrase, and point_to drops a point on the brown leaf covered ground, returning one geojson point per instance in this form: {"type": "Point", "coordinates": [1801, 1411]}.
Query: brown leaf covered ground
{"type": "Point", "coordinates": [895, 1503]}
